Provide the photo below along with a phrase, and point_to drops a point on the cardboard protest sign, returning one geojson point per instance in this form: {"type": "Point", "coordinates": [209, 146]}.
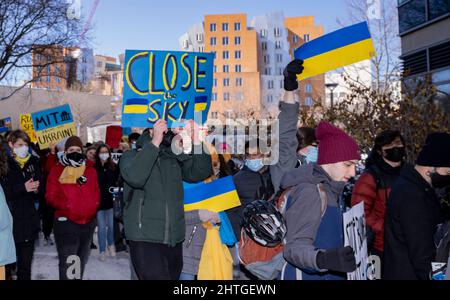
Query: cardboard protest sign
{"type": "Point", "coordinates": [26, 124]}
{"type": "Point", "coordinates": [355, 236]}
{"type": "Point", "coordinates": [113, 136]}
{"type": "Point", "coordinates": [166, 85]}
{"type": "Point", "coordinates": [216, 196]}
{"type": "Point", "coordinates": [5, 125]}
{"type": "Point", "coordinates": [337, 49]}
{"type": "Point", "coordinates": [53, 125]}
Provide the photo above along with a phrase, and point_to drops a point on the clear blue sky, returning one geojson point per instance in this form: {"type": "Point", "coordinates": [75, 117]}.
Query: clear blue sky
{"type": "Point", "coordinates": [157, 24]}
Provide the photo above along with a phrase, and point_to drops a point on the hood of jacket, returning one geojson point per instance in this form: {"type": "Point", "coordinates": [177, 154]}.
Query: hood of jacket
{"type": "Point", "coordinates": [311, 174]}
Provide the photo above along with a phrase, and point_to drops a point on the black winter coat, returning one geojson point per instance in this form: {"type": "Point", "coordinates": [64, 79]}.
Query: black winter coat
{"type": "Point", "coordinates": [26, 223]}
{"type": "Point", "coordinates": [106, 178]}
{"type": "Point", "coordinates": [413, 214]}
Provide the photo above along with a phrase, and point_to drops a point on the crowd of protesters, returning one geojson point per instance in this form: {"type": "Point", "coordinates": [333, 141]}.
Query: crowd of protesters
{"type": "Point", "coordinates": [68, 190]}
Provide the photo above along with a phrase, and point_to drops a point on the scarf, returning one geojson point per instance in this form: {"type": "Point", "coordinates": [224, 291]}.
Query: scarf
{"type": "Point", "coordinates": [22, 161]}
{"type": "Point", "coordinates": [73, 171]}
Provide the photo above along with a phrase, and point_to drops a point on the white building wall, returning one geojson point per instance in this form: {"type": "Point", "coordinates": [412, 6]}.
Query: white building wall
{"type": "Point", "coordinates": [193, 39]}
{"type": "Point", "coordinates": [85, 66]}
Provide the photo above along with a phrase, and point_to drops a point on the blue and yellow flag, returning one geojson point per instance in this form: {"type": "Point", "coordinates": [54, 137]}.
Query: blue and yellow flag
{"type": "Point", "coordinates": [201, 103]}
{"type": "Point", "coordinates": [337, 49]}
{"type": "Point", "coordinates": [216, 196]}
{"type": "Point", "coordinates": [136, 106]}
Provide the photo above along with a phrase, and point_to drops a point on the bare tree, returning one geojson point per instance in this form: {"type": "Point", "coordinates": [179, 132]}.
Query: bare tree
{"type": "Point", "coordinates": [30, 27]}
{"type": "Point", "coordinates": [382, 17]}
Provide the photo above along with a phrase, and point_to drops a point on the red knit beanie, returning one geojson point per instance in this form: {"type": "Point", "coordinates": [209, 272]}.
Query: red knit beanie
{"type": "Point", "coordinates": [335, 145]}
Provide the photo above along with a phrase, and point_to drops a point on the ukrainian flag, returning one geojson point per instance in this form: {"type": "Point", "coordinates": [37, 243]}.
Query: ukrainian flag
{"type": "Point", "coordinates": [136, 106]}
{"type": "Point", "coordinates": [201, 103]}
{"type": "Point", "coordinates": [335, 50]}
{"type": "Point", "coordinates": [216, 196]}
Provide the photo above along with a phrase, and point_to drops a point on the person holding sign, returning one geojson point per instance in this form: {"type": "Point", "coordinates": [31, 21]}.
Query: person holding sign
{"type": "Point", "coordinates": [23, 187]}
{"type": "Point", "coordinates": [314, 247]}
{"type": "Point", "coordinates": [153, 192]}
{"type": "Point", "coordinates": [73, 191]}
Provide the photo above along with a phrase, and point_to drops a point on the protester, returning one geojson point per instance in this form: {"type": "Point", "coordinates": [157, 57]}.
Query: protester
{"type": "Point", "coordinates": [22, 187]}
{"type": "Point", "coordinates": [73, 191]}
{"type": "Point", "coordinates": [107, 173]}
{"type": "Point", "coordinates": [314, 240]}
{"type": "Point", "coordinates": [154, 212]}
{"type": "Point", "coordinates": [7, 246]}
{"type": "Point", "coordinates": [383, 167]}
{"type": "Point", "coordinates": [413, 212]}
{"type": "Point", "coordinates": [90, 153]}
{"type": "Point", "coordinates": [132, 140]}
{"type": "Point", "coordinates": [307, 145]}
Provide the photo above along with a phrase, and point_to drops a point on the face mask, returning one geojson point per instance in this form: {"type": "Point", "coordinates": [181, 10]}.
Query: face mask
{"type": "Point", "coordinates": [395, 154]}
{"type": "Point", "coordinates": [439, 181]}
{"type": "Point", "coordinates": [104, 156]}
{"type": "Point", "coordinates": [75, 156]}
{"type": "Point", "coordinates": [21, 152]}
{"type": "Point", "coordinates": [312, 155]}
{"type": "Point", "coordinates": [254, 164]}
{"type": "Point", "coordinates": [60, 154]}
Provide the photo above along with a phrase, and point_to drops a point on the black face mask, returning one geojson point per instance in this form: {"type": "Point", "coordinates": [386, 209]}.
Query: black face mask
{"type": "Point", "coordinates": [75, 156]}
{"type": "Point", "coordinates": [439, 181]}
{"type": "Point", "coordinates": [396, 154]}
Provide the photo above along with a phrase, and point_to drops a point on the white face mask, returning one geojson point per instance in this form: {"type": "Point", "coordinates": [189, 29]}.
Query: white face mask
{"type": "Point", "coordinates": [21, 152]}
{"type": "Point", "coordinates": [104, 156]}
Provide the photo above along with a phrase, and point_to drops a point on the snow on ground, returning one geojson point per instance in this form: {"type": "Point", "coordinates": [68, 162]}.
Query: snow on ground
{"type": "Point", "coordinates": [45, 264]}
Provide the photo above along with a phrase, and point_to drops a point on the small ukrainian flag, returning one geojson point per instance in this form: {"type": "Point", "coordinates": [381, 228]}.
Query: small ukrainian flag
{"type": "Point", "coordinates": [201, 103]}
{"type": "Point", "coordinates": [337, 49]}
{"type": "Point", "coordinates": [136, 106]}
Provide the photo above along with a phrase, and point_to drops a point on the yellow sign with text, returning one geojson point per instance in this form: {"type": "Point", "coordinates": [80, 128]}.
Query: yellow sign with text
{"type": "Point", "coordinates": [26, 124]}
{"type": "Point", "coordinates": [56, 134]}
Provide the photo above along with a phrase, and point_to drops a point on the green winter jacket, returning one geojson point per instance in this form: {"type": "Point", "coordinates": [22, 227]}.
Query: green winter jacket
{"type": "Point", "coordinates": [153, 191]}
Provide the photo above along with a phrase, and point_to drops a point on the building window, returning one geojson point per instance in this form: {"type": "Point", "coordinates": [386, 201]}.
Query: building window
{"type": "Point", "coordinates": [215, 81]}
{"type": "Point", "coordinates": [226, 96]}
{"type": "Point", "coordinates": [199, 37]}
{"type": "Point", "coordinates": [308, 88]}
{"type": "Point", "coordinates": [267, 71]}
{"type": "Point", "coordinates": [308, 101]}
{"type": "Point", "coordinates": [266, 59]}
{"type": "Point", "coordinates": [225, 40]}
{"type": "Point", "coordinates": [280, 71]}
{"type": "Point", "coordinates": [215, 69]}
{"type": "Point", "coordinates": [213, 115]}
{"type": "Point", "coordinates": [201, 49]}
{"type": "Point", "coordinates": [185, 46]}
{"type": "Point", "coordinates": [238, 81]}
{"type": "Point", "coordinates": [270, 84]}
{"type": "Point", "coordinates": [264, 45]}
{"type": "Point", "coordinates": [226, 68]}
{"type": "Point", "coordinates": [226, 82]}
{"type": "Point", "coordinates": [49, 79]}
{"type": "Point", "coordinates": [225, 55]}
{"type": "Point", "coordinates": [263, 33]}
{"type": "Point", "coordinates": [295, 39]}
{"type": "Point", "coordinates": [237, 26]}
{"type": "Point", "coordinates": [277, 32]}
{"type": "Point", "coordinates": [237, 40]}
{"type": "Point", "coordinates": [281, 84]}
{"type": "Point", "coordinates": [437, 8]}
{"type": "Point", "coordinates": [237, 54]}
{"type": "Point", "coordinates": [237, 68]}
{"type": "Point", "coordinates": [278, 45]}
{"type": "Point", "coordinates": [225, 27]}
{"type": "Point", "coordinates": [213, 41]}
{"type": "Point", "coordinates": [306, 38]}
{"type": "Point", "coordinates": [214, 97]}
{"type": "Point", "coordinates": [269, 98]}
{"type": "Point", "coordinates": [212, 27]}
{"type": "Point", "coordinates": [279, 58]}
{"type": "Point", "coordinates": [239, 96]}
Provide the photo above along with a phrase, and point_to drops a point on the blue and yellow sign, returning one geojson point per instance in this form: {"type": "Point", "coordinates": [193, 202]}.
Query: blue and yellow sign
{"type": "Point", "coordinates": [166, 85]}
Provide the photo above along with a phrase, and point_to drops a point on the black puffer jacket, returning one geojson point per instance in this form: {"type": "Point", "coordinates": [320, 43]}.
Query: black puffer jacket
{"type": "Point", "coordinates": [26, 223]}
{"type": "Point", "coordinates": [107, 178]}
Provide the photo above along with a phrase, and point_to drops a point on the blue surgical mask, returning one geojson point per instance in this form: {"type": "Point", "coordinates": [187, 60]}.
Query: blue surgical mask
{"type": "Point", "coordinates": [254, 164]}
{"type": "Point", "coordinates": [312, 155]}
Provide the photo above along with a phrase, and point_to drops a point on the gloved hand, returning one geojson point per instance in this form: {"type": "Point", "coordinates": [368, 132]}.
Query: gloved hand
{"type": "Point", "coordinates": [291, 71]}
{"type": "Point", "coordinates": [339, 259]}
{"type": "Point", "coordinates": [208, 216]}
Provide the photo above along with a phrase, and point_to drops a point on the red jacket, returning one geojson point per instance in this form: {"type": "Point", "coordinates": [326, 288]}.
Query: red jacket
{"type": "Point", "coordinates": [374, 205]}
{"type": "Point", "coordinates": [77, 203]}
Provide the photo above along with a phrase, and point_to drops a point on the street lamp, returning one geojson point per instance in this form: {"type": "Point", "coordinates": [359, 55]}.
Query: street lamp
{"type": "Point", "coordinates": [331, 87]}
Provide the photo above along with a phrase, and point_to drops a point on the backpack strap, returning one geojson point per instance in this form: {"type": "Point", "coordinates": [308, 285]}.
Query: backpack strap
{"type": "Point", "coordinates": [323, 198]}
